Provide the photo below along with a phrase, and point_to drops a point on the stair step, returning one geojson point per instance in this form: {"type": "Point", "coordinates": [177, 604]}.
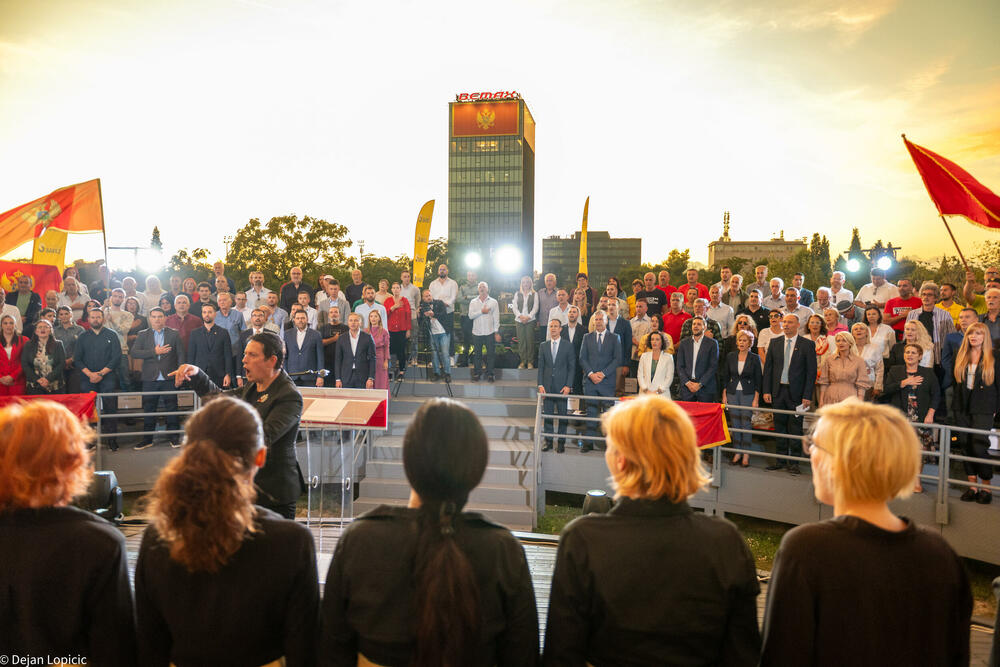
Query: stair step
{"type": "Point", "coordinates": [465, 374]}
{"type": "Point", "coordinates": [487, 493]}
{"type": "Point", "coordinates": [497, 474]}
{"type": "Point", "coordinates": [496, 427]}
{"type": "Point", "coordinates": [500, 389]}
{"type": "Point", "coordinates": [513, 518]}
{"type": "Point", "coordinates": [512, 452]}
{"type": "Point", "coordinates": [493, 407]}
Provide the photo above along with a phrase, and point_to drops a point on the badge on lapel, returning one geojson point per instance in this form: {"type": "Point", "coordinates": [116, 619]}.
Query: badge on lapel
{"type": "Point", "coordinates": [263, 397]}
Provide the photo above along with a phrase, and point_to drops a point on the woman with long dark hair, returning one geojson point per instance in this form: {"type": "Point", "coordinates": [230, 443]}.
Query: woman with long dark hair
{"type": "Point", "coordinates": [221, 581]}
{"type": "Point", "coordinates": [11, 371]}
{"type": "Point", "coordinates": [43, 361]}
{"type": "Point", "coordinates": [429, 585]}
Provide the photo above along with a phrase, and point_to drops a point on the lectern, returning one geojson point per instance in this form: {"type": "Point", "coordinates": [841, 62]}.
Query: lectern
{"type": "Point", "coordinates": [337, 424]}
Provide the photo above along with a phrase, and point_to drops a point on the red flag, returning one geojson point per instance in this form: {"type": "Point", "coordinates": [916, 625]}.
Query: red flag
{"type": "Point", "coordinates": [76, 208]}
{"type": "Point", "coordinates": [709, 421]}
{"type": "Point", "coordinates": [43, 278]}
{"type": "Point", "coordinates": [953, 190]}
{"type": "Point", "coordinates": [81, 405]}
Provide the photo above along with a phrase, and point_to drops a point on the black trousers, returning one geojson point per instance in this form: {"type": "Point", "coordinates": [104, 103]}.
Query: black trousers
{"type": "Point", "coordinates": [783, 400]}
{"type": "Point", "coordinates": [491, 354]}
{"type": "Point", "coordinates": [555, 406]}
{"type": "Point", "coordinates": [466, 339]}
{"type": "Point", "coordinates": [398, 344]}
{"type": "Point", "coordinates": [975, 444]}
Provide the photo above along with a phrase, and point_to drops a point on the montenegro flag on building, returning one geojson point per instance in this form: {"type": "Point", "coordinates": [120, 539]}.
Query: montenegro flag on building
{"type": "Point", "coordinates": [76, 208]}
{"type": "Point", "coordinates": [953, 190]}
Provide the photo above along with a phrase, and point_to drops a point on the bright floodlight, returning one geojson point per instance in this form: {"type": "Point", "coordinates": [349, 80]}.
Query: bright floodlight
{"type": "Point", "coordinates": [884, 262]}
{"type": "Point", "coordinates": [473, 259]}
{"type": "Point", "coordinates": [853, 265]}
{"type": "Point", "coordinates": [508, 259]}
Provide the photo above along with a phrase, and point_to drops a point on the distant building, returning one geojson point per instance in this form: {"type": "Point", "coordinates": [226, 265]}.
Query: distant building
{"type": "Point", "coordinates": [605, 257]}
{"type": "Point", "coordinates": [491, 184]}
{"type": "Point", "coordinates": [725, 248]}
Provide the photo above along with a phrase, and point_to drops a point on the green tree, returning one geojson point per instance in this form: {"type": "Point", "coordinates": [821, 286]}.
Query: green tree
{"type": "Point", "coordinates": [677, 263]}
{"type": "Point", "coordinates": [155, 243]}
{"type": "Point", "coordinates": [274, 247]}
{"type": "Point", "coordinates": [820, 268]}
{"type": "Point", "coordinates": [192, 263]}
{"type": "Point", "coordinates": [437, 254]}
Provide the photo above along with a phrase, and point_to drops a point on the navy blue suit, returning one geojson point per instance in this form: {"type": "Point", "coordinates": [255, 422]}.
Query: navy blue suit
{"type": "Point", "coordinates": [949, 351]}
{"type": "Point", "coordinates": [704, 369]}
{"type": "Point", "coordinates": [211, 350]}
{"type": "Point", "coordinates": [788, 396]}
{"type": "Point", "coordinates": [354, 370]}
{"type": "Point", "coordinates": [553, 375]}
{"type": "Point", "coordinates": [604, 358]}
{"type": "Point", "coordinates": [309, 357]}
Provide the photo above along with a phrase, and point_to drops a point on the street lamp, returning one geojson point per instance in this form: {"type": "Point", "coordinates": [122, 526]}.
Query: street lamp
{"type": "Point", "coordinates": [508, 259]}
{"type": "Point", "coordinates": [473, 260]}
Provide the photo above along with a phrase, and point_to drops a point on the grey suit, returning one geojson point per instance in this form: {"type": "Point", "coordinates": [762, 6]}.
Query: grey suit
{"type": "Point", "coordinates": [553, 375]}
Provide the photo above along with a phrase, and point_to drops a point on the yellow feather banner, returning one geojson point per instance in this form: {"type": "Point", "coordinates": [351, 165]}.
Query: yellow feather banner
{"type": "Point", "coordinates": [420, 240]}
{"type": "Point", "coordinates": [583, 240]}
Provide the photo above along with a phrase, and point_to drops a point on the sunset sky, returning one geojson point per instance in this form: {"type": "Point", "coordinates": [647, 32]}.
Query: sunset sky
{"type": "Point", "coordinates": [197, 116]}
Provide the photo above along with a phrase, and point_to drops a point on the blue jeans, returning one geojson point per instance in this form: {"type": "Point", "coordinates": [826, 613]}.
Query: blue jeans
{"type": "Point", "coordinates": [109, 404]}
{"type": "Point", "coordinates": [439, 350]}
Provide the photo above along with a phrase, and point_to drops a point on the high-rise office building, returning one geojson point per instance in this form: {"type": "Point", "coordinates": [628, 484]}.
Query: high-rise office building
{"type": "Point", "coordinates": [605, 258]}
{"type": "Point", "coordinates": [491, 185]}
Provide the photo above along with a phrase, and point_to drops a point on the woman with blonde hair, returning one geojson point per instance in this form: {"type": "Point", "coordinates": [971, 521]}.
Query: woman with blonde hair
{"type": "Point", "coordinates": [843, 373]}
{"type": "Point", "coordinates": [65, 570]}
{"type": "Point", "coordinates": [872, 355]}
{"type": "Point", "coordinates": [581, 301]}
{"type": "Point", "coordinates": [866, 587]}
{"type": "Point", "coordinates": [975, 400]}
{"type": "Point", "coordinates": [914, 332]}
{"type": "Point", "coordinates": [220, 580]}
{"type": "Point", "coordinates": [608, 606]}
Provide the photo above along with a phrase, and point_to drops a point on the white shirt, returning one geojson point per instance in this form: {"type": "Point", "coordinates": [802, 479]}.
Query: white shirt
{"type": "Point", "coordinates": [740, 363]}
{"type": "Point", "coordinates": [436, 327]}
{"type": "Point", "coordinates": [484, 324]}
{"type": "Point", "coordinates": [531, 313]}
{"type": "Point", "coordinates": [881, 294]}
{"type": "Point", "coordinates": [764, 340]}
{"type": "Point", "coordinates": [300, 337]}
{"type": "Point", "coordinates": [255, 299]}
{"type": "Point", "coordinates": [723, 314]}
{"type": "Point", "coordinates": [446, 292]}
{"type": "Point", "coordinates": [695, 348]}
{"type": "Point", "coordinates": [571, 332]}
{"type": "Point", "coordinates": [354, 342]}
{"type": "Point", "coordinates": [802, 313]}
{"type": "Point", "coordinates": [843, 295]}
{"type": "Point", "coordinates": [773, 302]}
{"type": "Point", "coordinates": [884, 336]}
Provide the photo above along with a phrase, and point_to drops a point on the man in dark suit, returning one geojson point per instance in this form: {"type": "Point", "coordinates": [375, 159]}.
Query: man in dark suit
{"type": "Point", "coordinates": [355, 366]}
{"type": "Point", "coordinates": [949, 350]}
{"type": "Point", "coordinates": [257, 321]}
{"type": "Point", "coordinates": [275, 398]}
{"type": "Point", "coordinates": [621, 327]}
{"type": "Point", "coordinates": [600, 357]}
{"type": "Point", "coordinates": [211, 349]}
{"type": "Point", "coordinates": [556, 368]}
{"type": "Point", "coordinates": [789, 379]}
{"type": "Point", "coordinates": [697, 364]}
{"type": "Point", "coordinates": [305, 350]}
{"type": "Point", "coordinates": [162, 353]}
{"type": "Point", "coordinates": [573, 333]}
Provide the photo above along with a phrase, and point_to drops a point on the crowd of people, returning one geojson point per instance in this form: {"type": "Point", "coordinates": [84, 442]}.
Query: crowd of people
{"type": "Point", "coordinates": [222, 581]}
{"type": "Point", "coordinates": [768, 344]}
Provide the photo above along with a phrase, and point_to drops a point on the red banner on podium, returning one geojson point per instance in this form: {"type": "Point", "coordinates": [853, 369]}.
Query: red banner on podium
{"type": "Point", "coordinates": [81, 405]}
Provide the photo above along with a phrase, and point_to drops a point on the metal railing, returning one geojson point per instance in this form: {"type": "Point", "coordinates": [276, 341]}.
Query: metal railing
{"type": "Point", "coordinates": [944, 455]}
{"type": "Point", "coordinates": [104, 416]}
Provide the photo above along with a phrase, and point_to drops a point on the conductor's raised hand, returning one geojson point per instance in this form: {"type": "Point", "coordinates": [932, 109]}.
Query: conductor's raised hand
{"type": "Point", "coordinates": [183, 372]}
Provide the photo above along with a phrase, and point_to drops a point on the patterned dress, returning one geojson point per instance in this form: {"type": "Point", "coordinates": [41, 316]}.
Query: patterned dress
{"type": "Point", "coordinates": [381, 337]}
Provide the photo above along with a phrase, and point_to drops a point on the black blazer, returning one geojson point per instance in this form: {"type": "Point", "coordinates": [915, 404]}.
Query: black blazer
{"type": "Point", "coordinates": [65, 587]}
{"type": "Point", "coordinates": [28, 353]}
{"type": "Point", "coordinates": [752, 376]}
{"type": "Point", "coordinates": [801, 370]}
{"type": "Point", "coordinates": [280, 408]}
{"type": "Point", "coordinates": [153, 364]}
{"type": "Point", "coordinates": [554, 374]}
{"type": "Point", "coordinates": [212, 351]}
{"type": "Point", "coordinates": [581, 331]}
{"type": "Point", "coordinates": [370, 591]}
{"type": "Point", "coordinates": [187, 618]}
{"type": "Point", "coordinates": [624, 330]}
{"type": "Point", "coordinates": [609, 607]}
{"type": "Point", "coordinates": [704, 369]}
{"type": "Point", "coordinates": [982, 399]}
{"type": "Point", "coordinates": [352, 370]}
{"type": "Point", "coordinates": [928, 391]}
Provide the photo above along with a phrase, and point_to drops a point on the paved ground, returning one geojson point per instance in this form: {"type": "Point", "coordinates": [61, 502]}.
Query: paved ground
{"type": "Point", "coordinates": [541, 553]}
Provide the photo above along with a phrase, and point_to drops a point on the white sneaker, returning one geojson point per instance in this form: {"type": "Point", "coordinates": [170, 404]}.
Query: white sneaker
{"type": "Point", "coordinates": [175, 445]}
{"type": "Point", "coordinates": [452, 359]}
{"type": "Point", "coordinates": [143, 445]}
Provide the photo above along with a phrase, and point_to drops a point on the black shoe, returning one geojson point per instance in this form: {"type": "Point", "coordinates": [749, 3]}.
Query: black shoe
{"type": "Point", "coordinates": [776, 466]}
{"type": "Point", "coordinates": [113, 445]}
{"type": "Point", "coordinates": [447, 378]}
{"type": "Point", "coordinates": [970, 495]}
{"type": "Point", "coordinates": [586, 447]}
{"type": "Point", "coordinates": [435, 377]}
{"type": "Point", "coordinates": [794, 469]}
{"type": "Point", "coordinates": [560, 448]}
{"type": "Point", "coordinates": [475, 378]}
{"type": "Point", "coordinates": [490, 378]}
{"type": "Point", "coordinates": [984, 497]}
{"type": "Point", "coordinates": [547, 447]}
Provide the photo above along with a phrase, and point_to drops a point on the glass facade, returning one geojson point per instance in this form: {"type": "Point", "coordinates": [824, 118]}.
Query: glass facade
{"type": "Point", "coordinates": [605, 257]}
{"type": "Point", "coordinates": [491, 187]}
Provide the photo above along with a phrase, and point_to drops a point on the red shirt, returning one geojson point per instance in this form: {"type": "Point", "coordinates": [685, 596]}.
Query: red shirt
{"type": "Point", "coordinates": [668, 290]}
{"type": "Point", "coordinates": [399, 319]}
{"type": "Point", "coordinates": [671, 324]}
{"type": "Point", "coordinates": [898, 306]}
{"type": "Point", "coordinates": [184, 328]}
{"type": "Point", "coordinates": [702, 290]}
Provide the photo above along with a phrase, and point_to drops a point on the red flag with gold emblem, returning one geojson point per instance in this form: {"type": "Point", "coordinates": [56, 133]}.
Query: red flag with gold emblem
{"type": "Point", "coordinates": [953, 190]}
{"type": "Point", "coordinates": [709, 420]}
{"type": "Point", "coordinates": [43, 278]}
{"type": "Point", "coordinates": [76, 208]}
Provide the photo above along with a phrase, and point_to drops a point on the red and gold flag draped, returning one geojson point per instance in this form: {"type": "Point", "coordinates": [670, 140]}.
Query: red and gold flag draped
{"type": "Point", "coordinates": [953, 190]}
{"type": "Point", "coordinates": [75, 208]}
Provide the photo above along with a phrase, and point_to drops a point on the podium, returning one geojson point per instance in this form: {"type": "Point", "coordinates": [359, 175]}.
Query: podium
{"type": "Point", "coordinates": [337, 424]}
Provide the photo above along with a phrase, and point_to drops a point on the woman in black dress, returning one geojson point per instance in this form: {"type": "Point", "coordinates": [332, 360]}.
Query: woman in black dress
{"type": "Point", "coordinates": [866, 587]}
{"type": "Point", "coordinates": [64, 572]}
{"type": "Point", "coordinates": [221, 581]}
{"type": "Point", "coordinates": [914, 390]}
{"type": "Point", "coordinates": [652, 582]}
{"type": "Point", "coordinates": [428, 584]}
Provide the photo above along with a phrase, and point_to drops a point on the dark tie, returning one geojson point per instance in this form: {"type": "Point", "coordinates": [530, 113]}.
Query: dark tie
{"type": "Point", "coordinates": [600, 340]}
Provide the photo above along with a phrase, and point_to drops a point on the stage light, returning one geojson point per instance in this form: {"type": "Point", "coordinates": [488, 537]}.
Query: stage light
{"type": "Point", "coordinates": [508, 259]}
{"type": "Point", "coordinates": [853, 265]}
{"type": "Point", "coordinates": [596, 502]}
{"type": "Point", "coordinates": [473, 259]}
{"type": "Point", "coordinates": [884, 262]}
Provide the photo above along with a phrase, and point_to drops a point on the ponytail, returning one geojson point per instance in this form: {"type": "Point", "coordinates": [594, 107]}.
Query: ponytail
{"type": "Point", "coordinates": [448, 616]}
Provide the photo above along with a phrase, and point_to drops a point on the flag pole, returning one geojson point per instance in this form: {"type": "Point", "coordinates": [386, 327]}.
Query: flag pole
{"type": "Point", "coordinates": [960, 255]}
{"type": "Point", "coordinates": [104, 232]}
